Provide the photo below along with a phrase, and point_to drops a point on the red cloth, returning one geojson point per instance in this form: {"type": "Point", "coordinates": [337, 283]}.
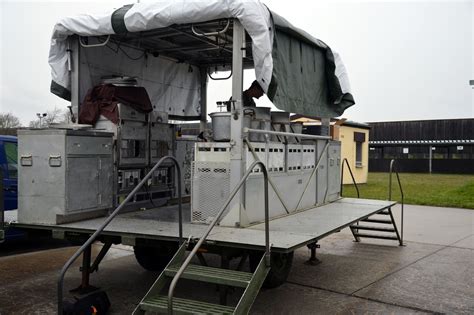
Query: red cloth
{"type": "Point", "coordinates": [103, 100]}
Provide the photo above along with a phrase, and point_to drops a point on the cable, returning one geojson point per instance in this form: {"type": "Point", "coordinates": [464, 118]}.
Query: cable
{"type": "Point", "coordinates": [119, 48]}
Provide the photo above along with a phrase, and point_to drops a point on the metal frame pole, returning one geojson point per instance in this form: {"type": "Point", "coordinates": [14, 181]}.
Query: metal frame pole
{"type": "Point", "coordinates": [75, 62]}
{"type": "Point", "coordinates": [237, 147]}
{"type": "Point", "coordinates": [203, 122]}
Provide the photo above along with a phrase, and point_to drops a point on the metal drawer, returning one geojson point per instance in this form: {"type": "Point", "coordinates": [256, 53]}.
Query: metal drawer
{"type": "Point", "coordinates": [77, 145]}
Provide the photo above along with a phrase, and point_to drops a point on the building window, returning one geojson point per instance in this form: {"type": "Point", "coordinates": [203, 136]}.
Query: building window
{"type": "Point", "coordinates": [358, 154]}
{"type": "Point", "coordinates": [359, 139]}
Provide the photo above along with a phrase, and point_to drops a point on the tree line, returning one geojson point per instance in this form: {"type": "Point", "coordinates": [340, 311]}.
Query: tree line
{"type": "Point", "coordinates": [56, 115]}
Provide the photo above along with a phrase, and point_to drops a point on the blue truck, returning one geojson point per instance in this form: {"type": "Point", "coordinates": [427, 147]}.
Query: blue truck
{"type": "Point", "coordinates": [9, 175]}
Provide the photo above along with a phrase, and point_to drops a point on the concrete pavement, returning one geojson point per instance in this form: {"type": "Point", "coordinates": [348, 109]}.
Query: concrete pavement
{"type": "Point", "coordinates": [433, 273]}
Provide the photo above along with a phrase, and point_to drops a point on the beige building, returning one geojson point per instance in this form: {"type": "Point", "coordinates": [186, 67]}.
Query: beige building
{"type": "Point", "coordinates": [354, 139]}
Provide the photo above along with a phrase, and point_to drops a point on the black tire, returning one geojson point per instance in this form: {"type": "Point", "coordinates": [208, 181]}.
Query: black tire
{"type": "Point", "coordinates": [280, 268]}
{"type": "Point", "coordinates": [155, 258]}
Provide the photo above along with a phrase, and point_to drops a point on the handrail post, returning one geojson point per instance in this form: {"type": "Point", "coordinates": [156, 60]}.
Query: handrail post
{"type": "Point", "coordinates": [390, 180]}
{"type": "Point", "coordinates": [214, 222]}
{"type": "Point", "coordinates": [267, 216]}
{"type": "Point", "coordinates": [352, 176]}
{"type": "Point", "coordinates": [94, 236]}
{"type": "Point", "coordinates": [392, 163]}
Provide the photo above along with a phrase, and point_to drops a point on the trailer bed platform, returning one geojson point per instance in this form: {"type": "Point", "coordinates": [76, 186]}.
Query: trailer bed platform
{"type": "Point", "coordinates": [286, 233]}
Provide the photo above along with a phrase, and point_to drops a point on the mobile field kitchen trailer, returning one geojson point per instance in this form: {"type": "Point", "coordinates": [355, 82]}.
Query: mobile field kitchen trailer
{"type": "Point", "coordinates": [255, 188]}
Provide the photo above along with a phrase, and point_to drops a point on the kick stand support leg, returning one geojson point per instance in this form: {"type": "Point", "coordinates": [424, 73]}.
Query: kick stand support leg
{"type": "Point", "coordinates": [313, 261]}
{"type": "Point", "coordinates": [85, 287]}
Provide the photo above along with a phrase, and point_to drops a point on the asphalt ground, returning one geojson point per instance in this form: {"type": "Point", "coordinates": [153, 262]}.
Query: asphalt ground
{"type": "Point", "coordinates": [433, 273]}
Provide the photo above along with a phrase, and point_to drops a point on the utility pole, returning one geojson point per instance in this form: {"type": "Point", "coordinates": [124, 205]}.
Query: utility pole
{"type": "Point", "coordinates": [41, 116]}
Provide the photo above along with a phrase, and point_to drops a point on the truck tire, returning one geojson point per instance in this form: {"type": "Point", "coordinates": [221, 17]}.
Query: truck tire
{"type": "Point", "coordinates": [155, 258]}
{"type": "Point", "coordinates": [280, 267]}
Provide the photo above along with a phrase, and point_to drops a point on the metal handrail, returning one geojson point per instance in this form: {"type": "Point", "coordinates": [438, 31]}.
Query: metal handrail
{"type": "Point", "coordinates": [392, 169]}
{"type": "Point", "coordinates": [352, 175]}
{"type": "Point", "coordinates": [100, 44]}
{"type": "Point", "coordinates": [214, 222]}
{"type": "Point", "coordinates": [275, 188]}
{"type": "Point", "coordinates": [219, 79]}
{"type": "Point", "coordinates": [94, 236]}
{"type": "Point", "coordinates": [195, 31]}
{"type": "Point", "coordinates": [312, 174]}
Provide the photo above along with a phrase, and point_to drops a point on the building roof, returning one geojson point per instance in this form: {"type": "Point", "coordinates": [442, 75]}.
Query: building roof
{"type": "Point", "coordinates": [350, 123]}
{"type": "Point", "coordinates": [422, 142]}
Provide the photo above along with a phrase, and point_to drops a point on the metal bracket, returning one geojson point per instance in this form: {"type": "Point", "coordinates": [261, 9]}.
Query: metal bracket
{"type": "Point", "coordinates": [100, 256]}
{"type": "Point", "coordinates": [129, 240]}
{"type": "Point", "coordinates": [59, 234]}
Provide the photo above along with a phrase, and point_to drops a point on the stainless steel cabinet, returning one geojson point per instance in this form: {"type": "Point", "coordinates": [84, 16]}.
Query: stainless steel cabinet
{"type": "Point", "coordinates": [64, 175]}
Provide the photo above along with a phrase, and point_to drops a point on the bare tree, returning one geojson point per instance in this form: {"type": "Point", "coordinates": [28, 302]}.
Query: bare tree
{"type": "Point", "coordinates": [8, 120]}
{"type": "Point", "coordinates": [34, 124]}
{"type": "Point", "coordinates": [66, 117]}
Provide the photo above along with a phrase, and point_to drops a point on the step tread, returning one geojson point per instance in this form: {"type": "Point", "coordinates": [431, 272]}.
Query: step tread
{"type": "Point", "coordinates": [383, 221]}
{"type": "Point", "coordinates": [387, 237]}
{"type": "Point", "coordinates": [212, 274]}
{"type": "Point", "coordinates": [160, 303]}
{"type": "Point", "coordinates": [373, 228]}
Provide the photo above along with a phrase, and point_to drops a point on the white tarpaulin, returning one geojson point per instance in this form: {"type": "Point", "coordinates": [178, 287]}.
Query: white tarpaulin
{"type": "Point", "coordinates": [177, 87]}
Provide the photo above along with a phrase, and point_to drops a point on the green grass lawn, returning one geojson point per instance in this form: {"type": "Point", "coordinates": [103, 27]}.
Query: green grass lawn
{"type": "Point", "coordinates": [420, 189]}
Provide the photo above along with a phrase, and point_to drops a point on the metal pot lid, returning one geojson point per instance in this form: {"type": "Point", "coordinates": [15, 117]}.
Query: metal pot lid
{"type": "Point", "coordinates": [220, 114]}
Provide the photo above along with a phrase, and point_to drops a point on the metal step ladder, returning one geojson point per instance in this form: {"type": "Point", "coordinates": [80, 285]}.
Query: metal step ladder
{"type": "Point", "coordinates": [157, 302]}
{"type": "Point", "coordinates": [181, 267]}
{"type": "Point", "coordinates": [378, 222]}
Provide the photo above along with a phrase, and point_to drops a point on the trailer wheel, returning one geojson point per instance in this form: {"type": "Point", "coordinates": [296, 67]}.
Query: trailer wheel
{"type": "Point", "coordinates": [155, 258]}
{"type": "Point", "coordinates": [280, 267]}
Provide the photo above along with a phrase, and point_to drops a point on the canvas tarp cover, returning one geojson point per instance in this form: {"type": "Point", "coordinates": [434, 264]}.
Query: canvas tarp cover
{"type": "Point", "coordinates": [308, 77]}
{"type": "Point", "coordinates": [322, 92]}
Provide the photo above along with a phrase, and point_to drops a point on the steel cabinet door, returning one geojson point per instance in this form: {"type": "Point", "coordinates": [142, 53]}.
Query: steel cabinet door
{"type": "Point", "coordinates": [334, 179]}
{"type": "Point", "coordinates": [82, 176]}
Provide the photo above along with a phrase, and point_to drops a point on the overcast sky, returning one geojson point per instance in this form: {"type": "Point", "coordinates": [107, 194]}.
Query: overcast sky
{"type": "Point", "coordinates": [406, 60]}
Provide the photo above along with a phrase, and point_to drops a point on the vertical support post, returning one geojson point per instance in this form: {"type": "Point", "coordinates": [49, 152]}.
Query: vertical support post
{"type": "Point", "coordinates": [236, 152]}
{"type": "Point", "coordinates": [75, 93]}
{"type": "Point", "coordinates": [430, 159]}
{"type": "Point", "coordinates": [313, 260]}
{"type": "Point", "coordinates": [86, 263]}
{"type": "Point", "coordinates": [203, 121]}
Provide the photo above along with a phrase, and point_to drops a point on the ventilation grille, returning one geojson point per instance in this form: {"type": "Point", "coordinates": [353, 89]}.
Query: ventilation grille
{"type": "Point", "coordinates": [210, 189]}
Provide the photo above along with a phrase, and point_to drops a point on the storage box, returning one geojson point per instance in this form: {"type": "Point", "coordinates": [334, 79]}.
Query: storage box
{"type": "Point", "coordinates": [64, 175]}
